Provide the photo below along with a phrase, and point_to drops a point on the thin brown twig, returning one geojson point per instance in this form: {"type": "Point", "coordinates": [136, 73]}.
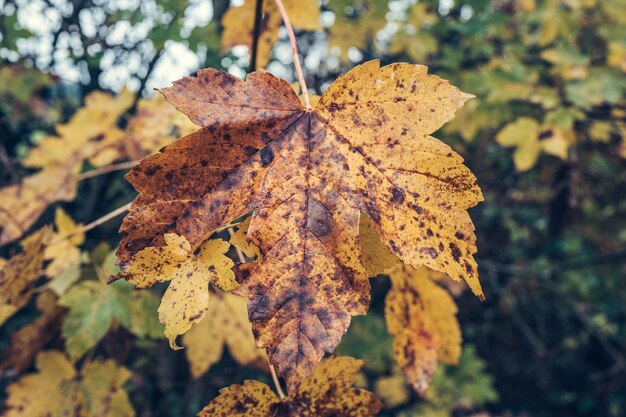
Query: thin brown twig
{"type": "Point", "coordinates": [256, 33]}
{"type": "Point", "coordinates": [294, 50]}
{"type": "Point", "coordinates": [94, 223]}
{"type": "Point", "coordinates": [88, 358]}
{"type": "Point", "coordinates": [106, 169]}
{"type": "Point", "coordinates": [9, 167]}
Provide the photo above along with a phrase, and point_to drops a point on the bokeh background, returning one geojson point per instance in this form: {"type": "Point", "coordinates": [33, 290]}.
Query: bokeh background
{"type": "Point", "coordinates": [545, 138]}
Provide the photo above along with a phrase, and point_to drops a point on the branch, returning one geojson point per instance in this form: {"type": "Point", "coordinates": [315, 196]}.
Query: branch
{"type": "Point", "coordinates": [94, 223]}
{"type": "Point", "coordinates": [256, 33]}
{"type": "Point", "coordinates": [143, 81]}
{"type": "Point", "coordinates": [106, 169]}
{"type": "Point", "coordinates": [8, 164]}
{"type": "Point", "coordinates": [294, 51]}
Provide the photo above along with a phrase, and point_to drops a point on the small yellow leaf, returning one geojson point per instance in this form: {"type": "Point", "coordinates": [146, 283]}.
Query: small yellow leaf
{"type": "Point", "coordinates": [102, 383]}
{"type": "Point", "coordinates": [252, 399]}
{"type": "Point", "coordinates": [421, 317]}
{"type": "Point", "coordinates": [529, 140]}
{"type": "Point", "coordinates": [63, 253]}
{"type": "Point", "coordinates": [392, 390]}
{"type": "Point", "coordinates": [600, 131]}
{"type": "Point", "coordinates": [91, 133]}
{"type": "Point", "coordinates": [329, 391]}
{"type": "Point", "coordinates": [187, 298]}
{"type": "Point", "coordinates": [224, 324]}
{"type": "Point", "coordinates": [617, 55]}
{"type": "Point", "coordinates": [20, 273]}
{"type": "Point", "coordinates": [240, 240]}
{"type": "Point", "coordinates": [238, 23]}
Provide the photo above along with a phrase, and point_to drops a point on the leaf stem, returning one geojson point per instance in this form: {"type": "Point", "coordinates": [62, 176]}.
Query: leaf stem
{"type": "Point", "coordinates": [106, 169]}
{"type": "Point", "coordinates": [281, 394]}
{"type": "Point", "coordinates": [279, 389]}
{"type": "Point", "coordinates": [294, 50]}
{"type": "Point", "coordinates": [228, 226]}
{"type": "Point", "coordinates": [256, 33]}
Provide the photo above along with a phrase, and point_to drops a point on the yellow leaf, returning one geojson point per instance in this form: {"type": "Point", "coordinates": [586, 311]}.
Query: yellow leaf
{"type": "Point", "coordinates": [525, 5]}
{"type": "Point", "coordinates": [617, 55]}
{"type": "Point", "coordinates": [58, 390]}
{"type": "Point", "coordinates": [64, 253]}
{"type": "Point", "coordinates": [50, 392]}
{"type": "Point", "coordinates": [187, 298]}
{"type": "Point", "coordinates": [238, 23]}
{"type": "Point", "coordinates": [225, 324]}
{"type": "Point", "coordinates": [91, 133]}
{"type": "Point", "coordinates": [529, 140]}
{"type": "Point", "coordinates": [392, 390]}
{"type": "Point", "coordinates": [356, 25]}
{"type": "Point", "coordinates": [22, 204]}
{"type": "Point", "coordinates": [421, 317]}
{"type": "Point", "coordinates": [102, 385]}
{"type": "Point", "coordinates": [600, 131]}
{"type": "Point", "coordinates": [240, 240]}
{"type": "Point", "coordinates": [328, 393]}
{"type": "Point", "coordinates": [6, 312]}
{"type": "Point", "coordinates": [20, 273]}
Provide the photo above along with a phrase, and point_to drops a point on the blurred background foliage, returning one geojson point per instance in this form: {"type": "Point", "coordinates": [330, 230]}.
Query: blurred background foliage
{"type": "Point", "coordinates": [545, 137]}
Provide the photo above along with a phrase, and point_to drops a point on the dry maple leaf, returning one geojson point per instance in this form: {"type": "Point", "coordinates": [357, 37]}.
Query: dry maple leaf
{"type": "Point", "coordinates": [186, 300]}
{"type": "Point", "coordinates": [306, 174]}
{"type": "Point", "coordinates": [225, 323]}
{"type": "Point", "coordinates": [238, 23]}
{"type": "Point", "coordinates": [328, 393]}
{"type": "Point", "coordinates": [421, 317]}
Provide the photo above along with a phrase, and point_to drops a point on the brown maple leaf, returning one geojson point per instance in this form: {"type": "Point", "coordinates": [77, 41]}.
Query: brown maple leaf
{"type": "Point", "coordinates": [306, 174]}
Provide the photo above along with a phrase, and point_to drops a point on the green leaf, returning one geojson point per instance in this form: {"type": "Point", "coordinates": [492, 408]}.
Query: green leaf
{"type": "Point", "coordinates": [94, 306]}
